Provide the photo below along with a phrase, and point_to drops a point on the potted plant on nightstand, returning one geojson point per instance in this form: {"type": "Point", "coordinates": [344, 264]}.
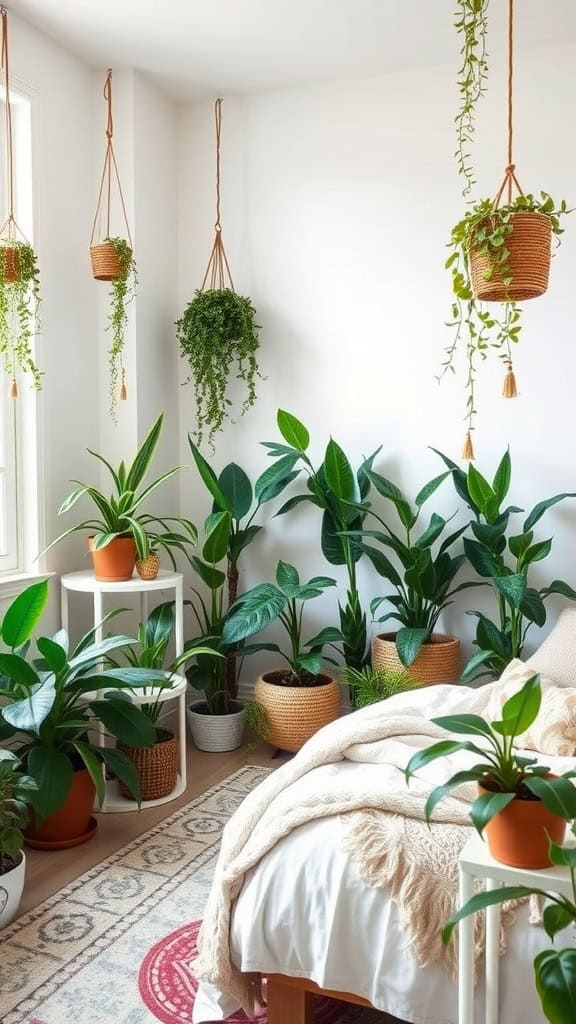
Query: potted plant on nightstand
{"type": "Point", "coordinates": [520, 805]}
{"type": "Point", "coordinates": [299, 699]}
{"type": "Point", "coordinates": [15, 790]}
{"type": "Point", "coordinates": [371, 685]}
{"type": "Point", "coordinates": [121, 532]}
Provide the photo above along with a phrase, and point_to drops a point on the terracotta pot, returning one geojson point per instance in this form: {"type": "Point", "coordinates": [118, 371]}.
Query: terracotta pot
{"type": "Point", "coordinates": [438, 661]}
{"type": "Point", "coordinates": [529, 245]}
{"type": "Point", "coordinates": [295, 713]}
{"type": "Point", "coordinates": [518, 835]}
{"type": "Point", "coordinates": [105, 262]}
{"type": "Point", "coordinates": [11, 259]}
{"type": "Point", "coordinates": [148, 568]}
{"type": "Point", "coordinates": [157, 767]}
{"type": "Point", "coordinates": [72, 820]}
{"type": "Point", "coordinates": [114, 563]}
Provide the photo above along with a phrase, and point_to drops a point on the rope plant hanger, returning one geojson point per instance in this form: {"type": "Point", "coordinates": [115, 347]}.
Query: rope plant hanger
{"type": "Point", "coordinates": [500, 253]}
{"type": "Point", "coordinates": [216, 330]}
{"type": "Point", "coordinates": [19, 273]}
{"type": "Point", "coordinates": [112, 257]}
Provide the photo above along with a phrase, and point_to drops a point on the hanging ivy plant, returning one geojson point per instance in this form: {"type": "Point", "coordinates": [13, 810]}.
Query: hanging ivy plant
{"type": "Point", "coordinates": [486, 229]}
{"type": "Point", "coordinates": [470, 22]}
{"type": "Point", "coordinates": [19, 307]}
{"type": "Point", "coordinates": [122, 291]}
{"type": "Point", "coordinates": [217, 330]}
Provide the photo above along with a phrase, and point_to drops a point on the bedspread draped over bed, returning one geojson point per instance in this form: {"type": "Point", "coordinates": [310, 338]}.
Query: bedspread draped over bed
{"type": "Point", "coordinates": [386, 833]}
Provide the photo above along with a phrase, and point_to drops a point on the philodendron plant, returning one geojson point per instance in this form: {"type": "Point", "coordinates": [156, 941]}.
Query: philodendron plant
{"type": "Point", "coordinates": [419, 565]}
{"type": "Point", "coordinates": [337, 491]}
{"type": "Point", "coordinates": [504, 555]}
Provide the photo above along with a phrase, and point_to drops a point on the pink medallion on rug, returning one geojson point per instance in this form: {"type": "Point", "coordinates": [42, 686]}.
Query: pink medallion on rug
{"type": "Point", "coordinates": [168, 987]}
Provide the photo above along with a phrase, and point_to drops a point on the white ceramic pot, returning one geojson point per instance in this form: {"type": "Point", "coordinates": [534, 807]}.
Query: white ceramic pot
{"type": "Point", "coordinates": [216, 733]}
{"type": "Point", "coordinates": [11, 886]}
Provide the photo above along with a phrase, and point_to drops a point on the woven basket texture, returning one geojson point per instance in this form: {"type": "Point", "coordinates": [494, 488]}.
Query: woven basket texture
{"type": "Point", "coordinates": [529, 246]}
{"type": "Point", "coordinates": [438, 661]}
{"type": "Point", "coordinates": [157, 768]}
{"type": "Point", "coordinates": [216, 733]}
{"type": "Point", "coordinates": [295, 713]}
{"type": "Point", "coordinates": [105, 262]}
{"type": "Point", "coordinates": [11, 259]}
{"type": "Point", "coordinates": [148, 568]}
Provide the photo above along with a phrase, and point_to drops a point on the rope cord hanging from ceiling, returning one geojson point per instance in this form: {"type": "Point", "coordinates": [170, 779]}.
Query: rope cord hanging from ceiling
{"type": "Point", "coordinates": [10, 226]}
{"type": "Point", "coordinates": [110, 168]}
{"type": "Point", "coordinates": [509, 389]}
{"type": "Point", "coordinates": [218, 270]}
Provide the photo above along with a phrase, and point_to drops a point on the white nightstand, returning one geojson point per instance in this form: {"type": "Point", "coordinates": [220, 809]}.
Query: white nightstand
{"type": "Point", "coordinates": [476, 862]}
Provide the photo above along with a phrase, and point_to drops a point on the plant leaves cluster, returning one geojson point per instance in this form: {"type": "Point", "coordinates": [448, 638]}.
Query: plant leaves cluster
{"type": "Point", "coordinates": [122, 292]}
{"type": "Point", "coordinates": [19, 308]}
{"type": "Point", "coordinates": [370, 685]}
{"type": "Point", "coordinates": [471, 24]}
{"type": "Point", "coordinates": [15, 790]}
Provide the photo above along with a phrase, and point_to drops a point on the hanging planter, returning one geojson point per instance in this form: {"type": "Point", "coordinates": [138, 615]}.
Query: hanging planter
{"type": "Point", "coordinates": [217, 330]}
{"type": "Point", "coordinates": [112, 260]}
{"type": "Point", "coordinates": [500, 253]}
{"type": "Point", "coordinates": [19, 274]}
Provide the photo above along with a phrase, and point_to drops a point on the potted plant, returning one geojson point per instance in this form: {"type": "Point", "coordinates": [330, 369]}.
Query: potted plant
{"type": "Point", "coordinates": [298, 699]}
{"type": "Point", "coordinates": [504, 556]}
{"type": "Point", "coordinates": [421, 571]}
{"type": "Point", "coordinates": [121, 532]}
{"type": "Point", "coordinates": [232, 492]}
{"type": "Point", "coordinates": [216, 332]}
{"type": "Point", "coordinates": [333, 488]}
{"type": "Point", "coordinates": [19, 309]}
{"type": "Point", "coordinates": [15, 790]}
{"type": "Point", "coordinates": [519, 801]}
{"type": "Point", "coordinates": [156, 763]}
{"type": "Point", "coordinates": [49, 707]}
{"type": "Point", "coordinates": [554, 969]}
{"type": "Point", "coordinates": [498, 254]}
{"type": "Point", "coordinates": [370, 685]}
{"type": "Point", "coordinates": [113, 260]}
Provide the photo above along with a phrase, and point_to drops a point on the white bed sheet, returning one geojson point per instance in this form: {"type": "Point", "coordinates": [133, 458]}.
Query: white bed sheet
{"type": "Point", "coordinates": [304, 911]}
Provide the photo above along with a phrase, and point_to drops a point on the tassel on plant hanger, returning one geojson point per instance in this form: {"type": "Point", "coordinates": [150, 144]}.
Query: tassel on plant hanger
{"type": "Point", "coordinates": [468, 449]}
{"type": "Point", "coordinates": [123, 389]}
{"type": "Point", "coordinates": [13, 388]}
{"type": "Point", "coordinates": [509, 389]}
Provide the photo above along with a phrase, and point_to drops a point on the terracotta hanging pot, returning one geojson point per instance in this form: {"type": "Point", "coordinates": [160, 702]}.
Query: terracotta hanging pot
{"type": "Point", "coordinates": [295, 713]}
{"type": "Point", "coordinates": [438, 661]}
{"type": "Point", "coordinates": [156, 766]}
{"type": "Point", "coordinates": [114, 563]}
{"type": "Point", "coordinates": [529, 245]}
{"type": "Point", "coordinates": [72, 824]}
{"type": "Point", "coordinates": [106, 265]}
{"type": "Point", "coordinates": [519, 834]}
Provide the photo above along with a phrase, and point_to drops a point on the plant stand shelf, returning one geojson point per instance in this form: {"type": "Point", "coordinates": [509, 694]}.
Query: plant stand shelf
{"type": "Point", "coordinates": [85, 583]}
{"type": "Point", "coordinates": [475, 862]}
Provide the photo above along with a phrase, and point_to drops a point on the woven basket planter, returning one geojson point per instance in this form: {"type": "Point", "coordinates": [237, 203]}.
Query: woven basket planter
{"type": "Point", "coordinates": [148, 568]}
{"type": "Point", "coordinates": [438, 661]}
{"type": "Point", "coordinates": [11, 258]}
{"type": "Point", "coordinates": [157, 767]}
{"type": "Point", "coordinates": [529, 245]}
{"type": "Point", "coordinates": [216, 733]}
{"type": "Point", "coordinates": [295, 713]}
{"type": "Point", "coordinates": [105, 262]}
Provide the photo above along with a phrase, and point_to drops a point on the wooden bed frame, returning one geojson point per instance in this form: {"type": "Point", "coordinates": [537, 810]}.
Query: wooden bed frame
{"type": "Point", "coordinates": [291, 1000]}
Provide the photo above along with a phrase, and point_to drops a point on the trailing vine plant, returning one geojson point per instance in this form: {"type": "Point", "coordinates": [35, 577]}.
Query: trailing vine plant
{"type": "Point", "coordinates": [470, 22]}
{"type": "Point", "coordinates": [19, 309]}
{"type": "Point", "coordinates": [122, 291]}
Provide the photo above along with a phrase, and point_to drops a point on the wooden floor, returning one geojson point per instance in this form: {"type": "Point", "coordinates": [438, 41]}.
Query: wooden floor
{"type": "Point", "coordinates": [46, 872]}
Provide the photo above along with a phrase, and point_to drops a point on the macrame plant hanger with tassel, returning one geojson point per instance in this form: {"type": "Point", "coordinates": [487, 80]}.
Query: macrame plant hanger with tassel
{"type": "Point", "coordinates": [11, 240]}
{"type": "Point", "coordinates": [218, 270]}
{"type": "Point", "coordinates": [106, 265]}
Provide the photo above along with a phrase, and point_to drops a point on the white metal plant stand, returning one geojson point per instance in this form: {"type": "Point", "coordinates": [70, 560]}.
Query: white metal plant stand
{"type": "Point", "coordinates": [476, 861]}
{"type": "Point", "coordinates": [84, 582]}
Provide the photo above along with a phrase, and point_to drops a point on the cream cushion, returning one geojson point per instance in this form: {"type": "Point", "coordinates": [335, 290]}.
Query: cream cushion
{"type": "Point", "coordinates": [554, 731]}
{"type": "Point", "coordinates": [556, 657]}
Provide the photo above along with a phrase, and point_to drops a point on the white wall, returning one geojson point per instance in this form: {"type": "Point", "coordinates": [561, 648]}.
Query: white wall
{"type": "Point", "coordinates": [337, 203]}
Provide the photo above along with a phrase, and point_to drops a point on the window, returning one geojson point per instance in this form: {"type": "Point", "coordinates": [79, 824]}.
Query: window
{"type": "Point", "coordinates": [18, 511]}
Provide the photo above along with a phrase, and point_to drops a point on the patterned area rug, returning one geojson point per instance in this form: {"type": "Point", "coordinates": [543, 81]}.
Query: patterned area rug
{"type": "Point", "coordinates": [113, 947]}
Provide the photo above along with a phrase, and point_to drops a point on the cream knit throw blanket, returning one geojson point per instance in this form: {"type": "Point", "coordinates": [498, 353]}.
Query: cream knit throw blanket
{"type": "Point", "coordinates": [356, 765]}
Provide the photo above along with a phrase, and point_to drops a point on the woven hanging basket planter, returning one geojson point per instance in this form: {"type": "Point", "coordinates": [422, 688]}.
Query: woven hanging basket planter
{"type": "Point", "coordinates": [11, 259]}
{"type": "Point", "coordinates": [529, 245]}
{"type": "Point", "coordinates": [438, 661]}
{"type": "Point", "coordinates": [295, 713]}
{"type": "Point", "coordinates": [105, 262]}
{"type": "Point", "coordinates": [157, 767]}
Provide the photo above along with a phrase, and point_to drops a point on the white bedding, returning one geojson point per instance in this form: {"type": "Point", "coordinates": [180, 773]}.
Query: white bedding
{"type": "Point", "coordinates": [304, 911]}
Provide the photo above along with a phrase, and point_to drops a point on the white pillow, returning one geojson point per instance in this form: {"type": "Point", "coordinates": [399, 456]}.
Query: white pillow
{"type": "Point", "coordinates": [554, 731]}
{"type": "Point", "coordinates": [556, 656]}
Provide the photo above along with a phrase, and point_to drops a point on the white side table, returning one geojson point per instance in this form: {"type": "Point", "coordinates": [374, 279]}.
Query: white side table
{"type": "Point", "coordinates": [84, 582]}
{"type": "Point", "coordinates": [477, 862]}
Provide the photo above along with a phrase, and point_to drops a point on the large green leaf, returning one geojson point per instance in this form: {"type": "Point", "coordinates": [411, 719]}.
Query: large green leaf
{"type": "Point", "coordinates": [513, 588]}
{"type": "Point", "coordinates": [521, 710]}
{"type": "Point", "coordinates": [328, 635]}
{"type": "Point", "coordinates": [18, 670]}
{"type": "Point", "coordinates": [382, 564]}
{"type": "Point", "coordinates": [23, 614]}
{"type": "Point", "coordinates": [501, 482]}
{"type": "Point", "coordinates": [237, 489]}
{"type": "Point", "coordinates": [434, 529]}
{"type": "Point", "coordinates": [559, 587]}
{"type": "Point", "coordinates": [468, 725]}
{"type": "Point", "coordinates": [409, 643]}
{"type": "Point", "coordinates": [274, 479]}
{"type": "Point", "coordinates": [481, 492]}
{"type": "Point", "coordinates": [287, 579]}
{"type": "Point", "coordinates": [520, 543]}
{"type": "Point", "coordinates": [293, 431]}
{"type": "Point", "coordinates": [53, 653]}
{"type": "Point", "coordinates": [389, 490]}
{"type": "Point", "coordinates": [564, 856]}
{"type": "Point", "coordinates": [555, 973]}
{"type": "Point", "coordinates": [88, 656]}
{"type": "Point", "coordinates": [332, 543]}
{"type": "Point", "coordinates": [217, 535]}
{"type": "Point", "coordinates": [144, 456]}
{"type": "Point", "coordinates": [213, 578]}
{"type": "Point", "coordinates": [364, 470]}
{"type": "Point", "coordinates": [159, 625]}
{"type": "Point", "coordinates": [488, 636]}
{"type": "Point", "coordinates": [556, 917]}
{"type": "Point", "coordinates": [492, 535]}
{"type": "Point", "coordinates": [297, 499]}
{"type": "Point", "coordinates": [533, 607]}
{"type": "Point", "coordinates": [208, 477]}
{"type": "Point", "coordinates": [254, 610]}
{"type": "Point", "coordinates": [558, 795]}
{"type": "Point", "coordinates": [481, 558]}
{"type": "Point", "coordinates": [442, 749]}
{"type": "Point", "coordinates": [481, 901]}
{"type": "Point", "coordinates": [125, 721]}
{"type": "Point", "coordinates": [475, 662]}
{"type": "Point", "coordinates": [537, 552]}
{"type": "Point", "coordinates": [28, 714]}
{"type": "Point", "coordinates": [543, 506]}
{"type": "Point", "coordinates": [93, 764]}
{"type": "Point", "coordinates": [123, 768]}
{"type": "Point", "coordinates": [440, 792]}
{"type": "Point", "coordinates": [338, 473]}
{"type": "Point", "coordinates": [428, 490]}
{"type": "Point", "coordinates": [487, 806]}
{"type": "Point", "coordinates": [52, 771]}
